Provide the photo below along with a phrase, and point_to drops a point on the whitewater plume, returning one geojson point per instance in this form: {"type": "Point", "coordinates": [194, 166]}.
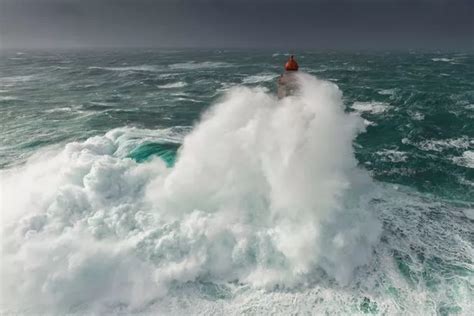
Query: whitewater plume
{"type": "Point", "coordinates": [264, 191]}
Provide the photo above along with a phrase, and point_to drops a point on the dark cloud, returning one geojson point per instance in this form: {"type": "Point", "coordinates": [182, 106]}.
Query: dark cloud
{"type": "Point", "coordinates": [438, 24]}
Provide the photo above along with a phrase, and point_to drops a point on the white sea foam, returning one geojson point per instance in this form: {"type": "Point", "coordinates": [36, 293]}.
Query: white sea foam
{"type": "Point", "coordinates": [469, 213]}
{"type": "Point", "coordinates": [466, 160]}
{"type": "Point", "coordinates": [264, 191]}
{"type": "Point", "coordinates": [61, 109]}
{"type": "Point", "coordinates": [443, 59]}
{"type": "Point", "coordinates": [417, 116]}
{"type": "Point", "coordinates": [465, 181]}
{"type": "Point", "coordinates": [387, 92]}
{"type": "Point", "coordinates": [443, 144]}
{"type": "Point", "coordinates": [392, 155]}
{"type": "Point", "coordinates": [189, 99]}
{"type": "Point", "coordinates": [173, 85]}
{"type": "Point", "coordinates": [147, 68]}
{"type": "Point", "coordinates": [199, 65]}
{"type": "Point", "coordinates": [259, 78]}
{"type": "Point", "coordinates": [7, 98]}
{"type": "Point", "coordinates": [14, 80]}
{"type": "Point", "coordinates": [371, 107]}
{"type": "Point", "coordinates": [369, 123]}
{"type": "Point", "coordinates": [280, 54]}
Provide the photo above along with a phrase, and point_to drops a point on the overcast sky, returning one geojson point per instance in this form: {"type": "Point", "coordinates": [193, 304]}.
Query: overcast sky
{"type": "Point", "coordinates": [316, 24]}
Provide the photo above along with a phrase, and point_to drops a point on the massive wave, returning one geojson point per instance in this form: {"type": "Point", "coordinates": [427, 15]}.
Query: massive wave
{"type": "Point", "coordinates": [264, 193]}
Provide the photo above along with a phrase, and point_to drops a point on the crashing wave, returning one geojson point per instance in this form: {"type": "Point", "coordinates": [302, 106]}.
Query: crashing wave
{"type": "Point", "coordinates": [263, 192]}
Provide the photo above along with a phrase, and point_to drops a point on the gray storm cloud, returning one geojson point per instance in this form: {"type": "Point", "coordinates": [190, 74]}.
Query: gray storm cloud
{"type": "Point", "coordinates": [360, 24]}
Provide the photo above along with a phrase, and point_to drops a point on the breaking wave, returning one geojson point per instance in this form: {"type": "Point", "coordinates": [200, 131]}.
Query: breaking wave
{"type": "Point", "coordinates": [263, 192]}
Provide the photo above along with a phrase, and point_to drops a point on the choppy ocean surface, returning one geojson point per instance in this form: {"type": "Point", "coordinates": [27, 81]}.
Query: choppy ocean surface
{"type": "Point", "coordinates": [175, 182]}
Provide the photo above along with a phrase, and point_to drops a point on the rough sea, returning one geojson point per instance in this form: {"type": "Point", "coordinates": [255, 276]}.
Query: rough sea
{"type": "Point", "coordinates": [177, 183]}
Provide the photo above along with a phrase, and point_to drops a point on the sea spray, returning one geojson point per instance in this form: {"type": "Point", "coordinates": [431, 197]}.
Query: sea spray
{"type": "Point", "coordinates": [264, 191]}
{"type": "Point", "coordinates": [286, 167]}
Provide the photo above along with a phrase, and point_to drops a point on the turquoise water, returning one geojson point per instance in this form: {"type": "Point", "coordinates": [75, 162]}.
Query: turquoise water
{"type": "Point", "coordinates": [103, 156]}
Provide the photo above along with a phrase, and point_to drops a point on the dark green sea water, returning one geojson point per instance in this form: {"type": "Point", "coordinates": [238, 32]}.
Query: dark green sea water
{"type": "Point", "coordinates": [419, 137]}
{"type": "Point", "coordinates": [418, 148]}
